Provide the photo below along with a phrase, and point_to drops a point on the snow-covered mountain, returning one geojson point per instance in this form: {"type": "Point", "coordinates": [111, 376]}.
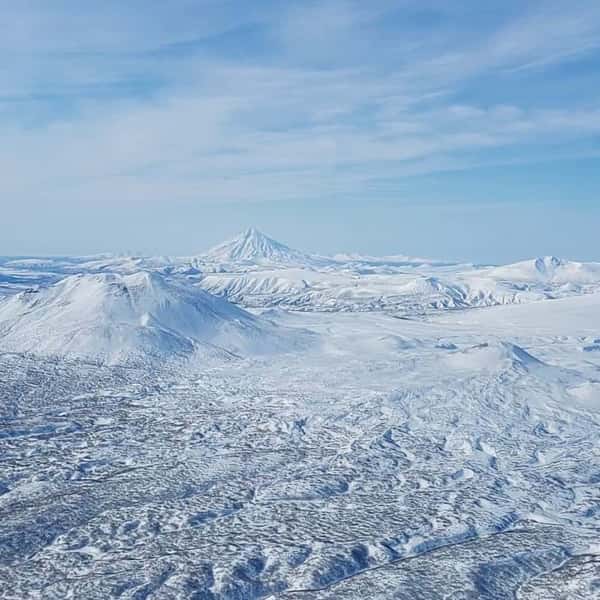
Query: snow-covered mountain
{"type": "Point", "coordinates": [549, 269]}
{"type": "Point", "coordinates": [493, 356]}
{"type": "Point", "coordinates": [447, 441]}
{"type": "Point", "coordinates": [252, 246]}
{"type": "Point", "coordinates": [396, 284]}
{"type": "Point", "coordinates": [257, 272]}
{"type": "Point", "coordinates": [114, 318]}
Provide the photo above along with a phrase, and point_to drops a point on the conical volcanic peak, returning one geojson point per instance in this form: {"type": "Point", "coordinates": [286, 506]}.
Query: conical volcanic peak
{"type": "Point", "coordinates": [253, 246]}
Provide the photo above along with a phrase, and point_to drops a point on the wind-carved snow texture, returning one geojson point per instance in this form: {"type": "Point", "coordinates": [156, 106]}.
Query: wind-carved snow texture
{"type": "Point", "coordinates": [387, 454]}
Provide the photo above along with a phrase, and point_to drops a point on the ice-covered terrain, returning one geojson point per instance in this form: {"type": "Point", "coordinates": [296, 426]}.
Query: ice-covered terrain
{"type": "Point", "coordinates": [256, 271]}
{"type": "Point", "coordinates": [261, 423]}
{"type": "Point", "coordinates": [114, 318]}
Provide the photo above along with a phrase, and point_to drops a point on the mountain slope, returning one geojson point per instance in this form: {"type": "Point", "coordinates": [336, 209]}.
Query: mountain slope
{"type": "Point", "coordinates": [122, 318]}
{"type": "Point", "coordinates": [252, 246]}
{"type": "Point", "coordinates": [549, 269]}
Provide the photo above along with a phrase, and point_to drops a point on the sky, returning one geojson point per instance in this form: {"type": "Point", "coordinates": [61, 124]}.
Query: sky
{"type": "Point", "coordinates": [462, 130]}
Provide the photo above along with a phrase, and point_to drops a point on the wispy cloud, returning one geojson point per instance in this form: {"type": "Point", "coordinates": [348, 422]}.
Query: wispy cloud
{"type": "Point", "coordinates": [144, 102]}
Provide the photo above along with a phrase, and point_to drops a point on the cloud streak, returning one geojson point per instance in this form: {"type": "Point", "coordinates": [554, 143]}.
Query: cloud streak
{"type": "Point", "coordinates": [125, 103]}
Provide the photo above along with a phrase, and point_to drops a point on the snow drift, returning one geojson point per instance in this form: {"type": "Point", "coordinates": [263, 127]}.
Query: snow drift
{"type": "Point", "coordinates": [493, 356]}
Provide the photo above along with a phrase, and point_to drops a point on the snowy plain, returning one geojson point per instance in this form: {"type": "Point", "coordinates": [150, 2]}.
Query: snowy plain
{"type": "Point", "coordinates": [258, 422]}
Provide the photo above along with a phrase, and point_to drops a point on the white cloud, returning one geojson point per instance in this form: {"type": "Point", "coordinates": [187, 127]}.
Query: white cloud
{"type": "Point", "coordinates": [276, 128]}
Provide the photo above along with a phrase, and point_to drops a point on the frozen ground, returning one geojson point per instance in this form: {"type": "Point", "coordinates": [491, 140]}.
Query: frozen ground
{"type": "Point", "coordinates": [452, 454]}
{"type": "Point", "coordinates": [387, 465]}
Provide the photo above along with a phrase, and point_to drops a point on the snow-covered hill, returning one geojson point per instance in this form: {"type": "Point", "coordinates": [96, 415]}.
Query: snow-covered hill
{"type": "Point", "coordinates": [122, 318]}
{"type": "Point", "coordinates": [551, 270]}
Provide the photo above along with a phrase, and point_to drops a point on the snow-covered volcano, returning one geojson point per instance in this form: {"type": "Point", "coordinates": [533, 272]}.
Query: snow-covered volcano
{"type": "Point", "coordinates": [252, 246]}
{"type": "Point", "coordinates": [549, 269]}
{"type": "Point", "coordinates": [115, 318]}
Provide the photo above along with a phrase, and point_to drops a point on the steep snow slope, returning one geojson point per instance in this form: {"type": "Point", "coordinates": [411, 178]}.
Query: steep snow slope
{"type": "Point", "coordinates": [119, 318]}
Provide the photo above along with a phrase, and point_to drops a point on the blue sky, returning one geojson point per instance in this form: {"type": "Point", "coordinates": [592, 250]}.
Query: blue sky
{"type": "Point", "coordinates": [465, 130]}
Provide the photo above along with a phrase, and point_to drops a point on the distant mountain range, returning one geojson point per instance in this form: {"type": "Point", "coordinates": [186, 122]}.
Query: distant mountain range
{"type": "Point", "coordinates": [122, 309]}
